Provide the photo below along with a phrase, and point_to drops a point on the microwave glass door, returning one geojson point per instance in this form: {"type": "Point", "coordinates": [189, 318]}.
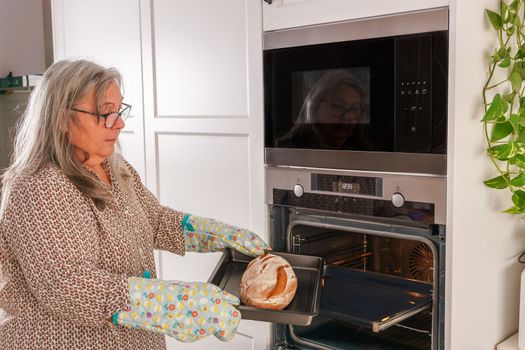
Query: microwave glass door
{"type": "Point", "coordinates": [384, 95]}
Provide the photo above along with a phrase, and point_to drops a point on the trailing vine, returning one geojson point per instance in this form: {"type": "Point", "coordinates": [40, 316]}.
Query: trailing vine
{"type": "Point", "coordinates": [504, 115]}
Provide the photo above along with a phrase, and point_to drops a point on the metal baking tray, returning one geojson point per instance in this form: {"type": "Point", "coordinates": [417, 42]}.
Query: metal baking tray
{"type": "Point", "coordinates": [372, 299]}
{"type": "Point", "coordinates": [304, 306]}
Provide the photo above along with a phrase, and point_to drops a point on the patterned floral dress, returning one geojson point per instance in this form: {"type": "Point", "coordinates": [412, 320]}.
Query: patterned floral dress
{"type": "Point", "coordinates": [64, 263]}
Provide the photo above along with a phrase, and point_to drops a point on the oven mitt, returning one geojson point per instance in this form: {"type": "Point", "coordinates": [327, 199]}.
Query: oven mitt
{"type": "Point", "coordinates": [205, 235]}
{"type": "Point", "coordinates": [186, 311]}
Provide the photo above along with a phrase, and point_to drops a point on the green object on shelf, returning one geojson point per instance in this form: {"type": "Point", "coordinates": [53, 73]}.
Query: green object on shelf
{"type": "Point", "coordinates": [11, 82]}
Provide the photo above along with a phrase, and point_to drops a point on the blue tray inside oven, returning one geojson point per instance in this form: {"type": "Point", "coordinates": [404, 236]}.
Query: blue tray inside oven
{"type": "Point", "coordinates": [372, 299]}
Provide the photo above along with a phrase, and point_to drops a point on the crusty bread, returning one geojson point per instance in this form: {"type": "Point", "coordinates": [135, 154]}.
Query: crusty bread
{"type": "Point", "coordinates": [268, 282]}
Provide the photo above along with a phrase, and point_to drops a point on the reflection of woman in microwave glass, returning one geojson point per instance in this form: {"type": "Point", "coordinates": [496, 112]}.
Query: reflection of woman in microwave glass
{"type": "Point", "coordinates": [333, 115]}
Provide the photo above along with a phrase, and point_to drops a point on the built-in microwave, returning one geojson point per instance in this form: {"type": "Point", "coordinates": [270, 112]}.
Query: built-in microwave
{"type": "Point", "coordinates": [368, 94]}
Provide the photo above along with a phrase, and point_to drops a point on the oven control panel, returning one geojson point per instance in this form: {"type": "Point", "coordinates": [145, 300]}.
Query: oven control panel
{"type": "Point", "coordinates": [405, 196]}
{"type": "Point", "coordinates": [365, 185]}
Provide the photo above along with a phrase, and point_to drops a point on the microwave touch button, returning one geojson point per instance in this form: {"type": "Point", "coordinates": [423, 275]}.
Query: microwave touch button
{"type": "Point", "coordinates": [398, 200]}
{"type": "Point", "coordinates": [298, 190]}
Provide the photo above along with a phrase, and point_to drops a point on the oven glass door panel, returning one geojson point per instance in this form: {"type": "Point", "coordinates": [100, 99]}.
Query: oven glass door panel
{"type": "Point", "coordinates": [380, 282]}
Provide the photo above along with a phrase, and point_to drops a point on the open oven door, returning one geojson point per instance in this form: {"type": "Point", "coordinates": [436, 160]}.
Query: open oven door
{"type": "Point", "coordinates": [382, 282]}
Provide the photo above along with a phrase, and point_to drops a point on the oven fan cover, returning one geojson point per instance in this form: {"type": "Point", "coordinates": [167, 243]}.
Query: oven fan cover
{"type": "Point", "coordinates": [419, 262]}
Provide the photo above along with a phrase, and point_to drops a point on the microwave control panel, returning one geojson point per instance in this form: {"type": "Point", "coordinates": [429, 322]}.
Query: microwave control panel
{"type": "Point", "coordinates": [413, 79]}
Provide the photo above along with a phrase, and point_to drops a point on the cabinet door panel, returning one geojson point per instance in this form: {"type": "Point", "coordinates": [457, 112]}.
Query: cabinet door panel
{"type": "Point", "coordinates": [294, 13]}
{"type": "Point", "coordinates": [204, 126]}
{"type": "Point", "coordinates": [114, 42]}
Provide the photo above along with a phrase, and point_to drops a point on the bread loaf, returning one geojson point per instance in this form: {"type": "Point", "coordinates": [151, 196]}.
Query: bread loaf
{"type": "Point", "coordinates": [268, 282]}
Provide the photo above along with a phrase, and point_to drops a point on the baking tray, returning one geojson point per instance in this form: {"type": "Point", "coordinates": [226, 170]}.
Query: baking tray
{"type": "Point", "coordinates": [371, 299]}
{"type": "Point", "coordinates": [304, 306]}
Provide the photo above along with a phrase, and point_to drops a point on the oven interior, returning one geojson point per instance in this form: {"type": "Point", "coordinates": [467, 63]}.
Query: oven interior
{"type": "Point", "coordinates": [380, 282]}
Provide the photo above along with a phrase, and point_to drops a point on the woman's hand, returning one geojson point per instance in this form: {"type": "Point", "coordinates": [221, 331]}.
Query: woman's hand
{"type": "Point", "coordinates": [186, 311]}
{"type": "Point", "coordinates": [208, 235]}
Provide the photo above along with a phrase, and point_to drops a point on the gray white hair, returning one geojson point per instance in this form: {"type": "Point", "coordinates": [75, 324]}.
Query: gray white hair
{"type": "Point", "coordinates": [41, 133]}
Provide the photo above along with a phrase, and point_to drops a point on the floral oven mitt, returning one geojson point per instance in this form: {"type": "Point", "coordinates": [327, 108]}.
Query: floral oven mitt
{"type": "Point", "coordinates": [187, 311]}
{"type": "Point", "coordinates": [208, 235]}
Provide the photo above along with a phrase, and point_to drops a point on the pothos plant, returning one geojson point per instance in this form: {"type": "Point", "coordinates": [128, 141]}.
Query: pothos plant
{"type": "Point", "coordinates": [504, 103]}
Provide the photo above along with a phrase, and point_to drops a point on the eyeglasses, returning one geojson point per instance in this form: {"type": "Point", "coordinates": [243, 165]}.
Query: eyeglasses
{"type": "Point", "coordinates": [110, 118]}
{"type": "Point", "coordinates": [339, 109]}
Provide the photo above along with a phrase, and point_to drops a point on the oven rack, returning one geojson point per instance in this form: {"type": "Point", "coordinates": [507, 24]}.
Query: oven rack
{"type": "Point", "coordinates": [370, 299]}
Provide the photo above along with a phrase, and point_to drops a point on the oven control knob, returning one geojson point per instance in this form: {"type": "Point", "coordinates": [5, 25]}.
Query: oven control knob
{"type": "Point", "coordinates": [398, 200]}
{"type": "Point", "coordinates": [298, 190]}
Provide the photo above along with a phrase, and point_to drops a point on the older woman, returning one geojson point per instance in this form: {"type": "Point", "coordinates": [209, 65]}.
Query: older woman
{"type": "Point", "coordinates": [78, 230]}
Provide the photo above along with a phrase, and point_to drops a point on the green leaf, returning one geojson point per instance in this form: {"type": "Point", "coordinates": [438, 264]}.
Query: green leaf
{"type": "Point", "coordinates": [521, 53]}
{"type": "Point", "coordinates": [518, 160]}
{"type": "Point", "coordinates": [515, 80]}
{"type": "Point", "coordinates": [495, 110]}
{"type": "Point", "coordinates": [503, 152]}
{"type": "Point", "coordinates": [522, 102]}
{"type": "Point", "coordinates": [520, 68]}
{"type": "Point", "coordinates": [521, 119]}
{"type": "Point", "coordinates": [514, 210]}
{"type": "Point", "coordinates": [519, 180]}
{"type": "Point", "coordinates": [500, 131]}
{"type": "Point", "coordinates": [503, 10]}
{"type": "Point", "coordinates": [518, 198]}
{"type": "Point", "coordinates": [498, 182]}
{"type": "Point", "coordinates": [516, 20]}
{"type": "Point", "coordinates": [506, 61]}
{"type": "Point", "coordinates": [509, 97]}
{"type": "Point", "coordinates": [521, 137]}
{"type": "Point", "coordinates": [495, 19]}
{"type": "Point", "coordinates": [513, 120]}
{"type": "Point", "coordinates": [521, 112]}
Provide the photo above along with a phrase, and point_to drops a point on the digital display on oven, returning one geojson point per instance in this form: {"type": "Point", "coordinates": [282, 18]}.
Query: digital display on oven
{"type": "Point", "coordinates": [370, 186]}
{"type": "Point", "coordinates": [347, 187]}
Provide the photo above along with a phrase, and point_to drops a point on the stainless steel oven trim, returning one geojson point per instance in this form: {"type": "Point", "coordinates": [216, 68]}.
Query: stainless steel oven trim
{"type": "Point", "coordinates": [416, 163]}
{"type": "Point", "coordinates": [418, 188]}
{"type": "Point", "coordinates": [428, 242]}
{"type": "Point", "coordinates": [363, 28]}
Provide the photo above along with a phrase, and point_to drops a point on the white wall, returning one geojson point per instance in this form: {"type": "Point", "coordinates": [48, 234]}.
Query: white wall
{"type": "Point", "coordinates": [483, 244]}
{"type": "Point", "coordinates": [22, 48]}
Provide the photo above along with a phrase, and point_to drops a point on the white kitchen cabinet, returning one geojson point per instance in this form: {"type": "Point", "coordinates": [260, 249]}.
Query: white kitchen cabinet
{"type": "Point", "coordinates": [193, 73]}
{"type": "Point", "coordinates": [295, 13]}
{"type": "Point", "coordinates": [202, 64]}
{"type": "Point", "coordinates": [107, 32]}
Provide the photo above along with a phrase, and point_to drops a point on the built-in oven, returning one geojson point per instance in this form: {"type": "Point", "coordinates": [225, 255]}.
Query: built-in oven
{"type": "Point", "coordinates": [382, 239]}
{"type": "Point", "coordinates": [368, 94]}
{"type": "Point", "coordinates": [355, 153]}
